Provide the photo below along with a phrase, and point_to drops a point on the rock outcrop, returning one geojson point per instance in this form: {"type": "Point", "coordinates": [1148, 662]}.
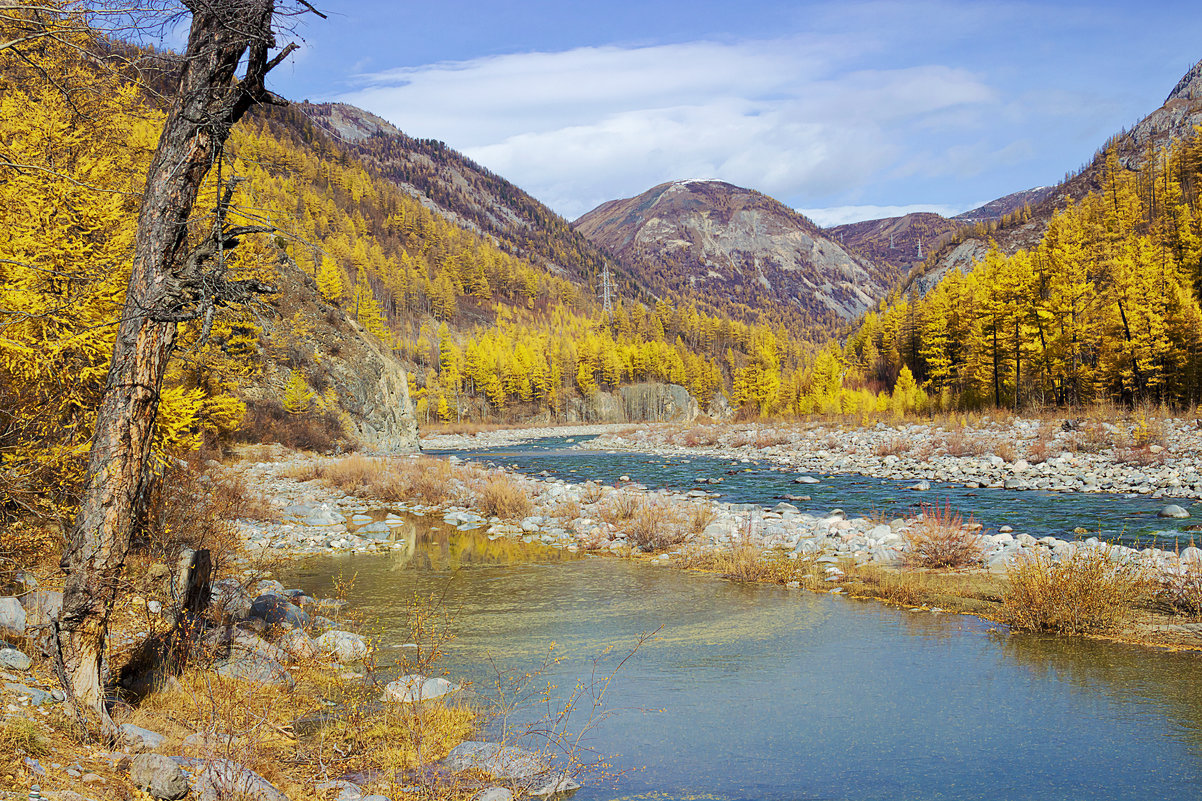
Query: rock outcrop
{"type": "Point", "coordinates": [637, 403]}
{"type": "Point", "coordinates": [698, 237]}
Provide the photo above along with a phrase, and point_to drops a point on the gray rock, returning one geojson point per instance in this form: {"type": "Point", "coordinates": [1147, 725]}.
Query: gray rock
{"type": "Point", "coordinates": [36, 697]}
{"type": "Point", "coordinates": [343, 646]}
{"type": "Point", "coordinates": [494, 794]}
{"type": "Point", "coordinates": [1191, 555]}
{"type": "Point", "coordinates": [921, 486]}
{"type": "Point", "coordinates": [502, 762]}
{"type": "Point", "coordinates": [139, 739]}
{"type": "Point", "coordinates": [275, 610]}
{"type": "Point", "coordinates": [254, 668]}
{"type": "Point", "coordinates": [222, 779]}
{"type": "Point", "coordinates": [805, 480]}
{"type": "Point", "coordinates": [12, 659]}
{"type": "Point", "coordinates": [554, 784]}
{"type": "Point", "coordinates": [415, 688]}
{"type": "Point", "coordinates": [230, 598]}
{"type": "Point", "coordinates": [41, 607]}
{"type": "Point", "coordinates": [12, 617]}
{"type": "Point", "coordinates": [1173, 511]}
{"type": "Point", "coordinates": [158, 775]}
{"type": "Point", "coordinates": [296, 644]}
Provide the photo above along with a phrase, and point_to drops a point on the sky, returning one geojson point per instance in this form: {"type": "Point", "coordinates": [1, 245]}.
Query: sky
{"type": "Point", "coordinates": [845, 111]}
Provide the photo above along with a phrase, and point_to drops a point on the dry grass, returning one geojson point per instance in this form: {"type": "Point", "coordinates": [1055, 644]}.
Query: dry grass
{"type": "Point", "coordinates": [1179, 593]}
{"type": "Point", "coordinates": [592, 492]}
{"type": "Point", "coordinates": [700, 516]}
{"type": "Point", "coordinates": [501, 496]}
{"type": "Point", "coordinates": [940, 540]}
{"type": "Point", "coordinates": [1085, 592]}
{"type": "Point", "coordinates": [620, 507]}
{"type": "Point", "coordinates": [656, 526]}
{"type": "Point", "coordinates": [1005, 450]}
{"type": "Point", "coordinates": [975, 593]}
{"type": "Point", "coordinates": [698, 436]}
{"type": "Point", "coordinates": [743, 562]}
{"type": "Point", "coordinates": [961, 443]}
{"type": "Point", "coordinates": [894, 446]}
{"type": "Point", "coordinates": [426, 480]}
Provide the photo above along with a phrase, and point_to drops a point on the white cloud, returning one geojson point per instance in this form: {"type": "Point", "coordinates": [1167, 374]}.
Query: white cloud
{"type": "Point", "coordinates": [579, 127]}
{"type": "Point", "coordinates": [841, 215]}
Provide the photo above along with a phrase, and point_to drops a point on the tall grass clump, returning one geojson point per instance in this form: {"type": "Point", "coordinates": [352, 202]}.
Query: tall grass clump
{"type": "Point", "coordinates": [1085, 592]}
{"type": "Point", "coordinates": [502, 497]}
{"type": "Point", "coordinates": [1178, 591]}
{"type": "Point", "coordinates": [654, 526]}
{"type": "Point", "coordinates": [940, 540]}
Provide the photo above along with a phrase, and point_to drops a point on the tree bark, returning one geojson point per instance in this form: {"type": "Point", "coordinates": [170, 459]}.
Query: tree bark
{"type": "Point", "coordinates": [167, 285]}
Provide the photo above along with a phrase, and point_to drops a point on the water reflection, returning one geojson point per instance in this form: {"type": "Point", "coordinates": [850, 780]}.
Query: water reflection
{"type": "Point", "coordinates": [775, 694]}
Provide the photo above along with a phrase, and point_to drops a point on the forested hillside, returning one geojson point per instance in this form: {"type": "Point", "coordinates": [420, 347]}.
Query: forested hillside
{"type": "Point", "coordinates": [1104, 308]}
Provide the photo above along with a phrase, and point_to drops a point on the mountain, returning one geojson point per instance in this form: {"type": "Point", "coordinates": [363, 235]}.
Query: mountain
{"type": "Point", "coordinates": [457, 188]}
{"type": "Point", "coordinates": [1007, 204]}
{"type": "Point", "coordinates": [723, 244]}
{"type": "Point", "coordinates": [899, 242]}
{"type": "Point", "coordinates": [1024, 225]}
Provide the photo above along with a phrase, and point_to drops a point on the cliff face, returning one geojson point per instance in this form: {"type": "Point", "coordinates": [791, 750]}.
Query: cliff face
{"type": "Point", "coordinates": [706, 237]}
{"type": "Point", "coordinates": [637, 403]}
{"type": "Point", "coordinates": [350, 372]}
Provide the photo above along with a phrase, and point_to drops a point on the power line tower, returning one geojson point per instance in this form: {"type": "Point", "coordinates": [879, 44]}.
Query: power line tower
{"type": "Point", "coordinates": [920, 248]}
{"type": "Point", "coordinates": [607, 292]}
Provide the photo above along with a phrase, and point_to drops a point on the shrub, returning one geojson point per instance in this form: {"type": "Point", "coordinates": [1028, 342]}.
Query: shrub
{"type": "Point", "coordinates": [592, 492]}
{"type": "Point", "coordinates": [1086, 591]}
{"type": "Point", "coordinates": [940, 540]}
{"type": "Point", "coordinates": [620, 507]}
{"type": "Point", "coordinates": [700, 516]}
{"type": "Point", "coordinates": [269, 421]}
{"type": "Point", "coordinates": [21, 735]}
{"type": "Point", "coordinates": [503, 497]}
{"type": "Point", "coordinates": [894, 446]}
{"type": "Point", "coordinates": [654, 527]}
{"type": "Point", "coordinates": [1179, 591]}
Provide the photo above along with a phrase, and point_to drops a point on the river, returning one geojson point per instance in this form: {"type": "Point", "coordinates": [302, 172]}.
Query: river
{"type": "Point", "coordinates": [759, 692]}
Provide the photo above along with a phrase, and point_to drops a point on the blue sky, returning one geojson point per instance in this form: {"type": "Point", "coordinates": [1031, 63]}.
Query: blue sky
{"type": "Point", "coordinates": [842, 110]}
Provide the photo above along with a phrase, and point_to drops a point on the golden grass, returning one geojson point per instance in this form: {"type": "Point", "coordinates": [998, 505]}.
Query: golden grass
{"type": "Point", "coordinates": [620, 507]}
{"type": "Point", "coordinates": [746, 562]}
{"type": "Point", "coordinates": [503, 497]}
{"type": "Point", "coordinates": [939, 540]}
{"type": "Point", "coordinates": [656, 526]}
{"type": "Point", "coordinates": [1084, 593]}
{"type": "Point", "coordinates": [1179, 593]}
{"type": "Point", "coordinates": [424, 480]}
{"type": "Point", "coordinates": [976, 593]}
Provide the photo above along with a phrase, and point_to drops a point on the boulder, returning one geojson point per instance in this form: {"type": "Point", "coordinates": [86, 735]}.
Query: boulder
{"type": "Point", "coordinates": [297, 645]}
{"type": "Point", "coordinates": [1191, 555]}
{"type": "Point", "coordinates": [139, 739]}
{"type": "Point", "coordinates": [222, 779]}
{"type": "Point", "coordinates": [1173, 511]}
{"type": "Point", "coordinates": [12, 659]}
{"type": "Point", "coordinates": [159, 776]}
{"type": "Point", "coordinates": [494, 794]}
{"type": "Point", "coordinates": [526, 768]}
{"type": "Point", "coordinates": [415, 688]}
{"type": "Point", "coordinates": [275, 610]}
{"type": "Point", "coordinates": [41, 607]}
{"type": "Point", "coordinates": [12, 617]}
{"type": "Point", "coordinates": [230, 598]}
{"type": "Point", "coordinates": [343, 646]}
{"type": "Point", "coordinates": [254, 668]}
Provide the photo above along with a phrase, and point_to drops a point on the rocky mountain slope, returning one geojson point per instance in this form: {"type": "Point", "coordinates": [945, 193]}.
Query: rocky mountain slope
{"type": "Point", "coordinates": [453, 185]}
{"type": "Point", "coordinates": [709, 238]}
{"type": "Point", "coordinates": [899, 242]}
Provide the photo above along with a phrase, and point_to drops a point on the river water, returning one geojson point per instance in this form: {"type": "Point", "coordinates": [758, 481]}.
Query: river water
{"type": "Point", "coordinates": [758, 692]}
{"type": "Point", "coordinates": [1130, 519]}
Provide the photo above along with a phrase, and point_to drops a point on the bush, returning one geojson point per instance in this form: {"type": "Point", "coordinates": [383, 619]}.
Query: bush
{"type": "Point", "coordinates": [940, 540]}
{"type": "Point", "coordinates": [503, 497]}
{"type": "Point", "coordinates": [1179, 591]}
{"type": "Point", "coordinates": [1084, 592]}
{"type": "Point", "coordinates": [425, 480]}
{"type": "Point", "coordinates": [654, 527]}
{"type": "Point", "coordinates": [269, 421]}
{"type": "Point", "coordinates": [620, 507]}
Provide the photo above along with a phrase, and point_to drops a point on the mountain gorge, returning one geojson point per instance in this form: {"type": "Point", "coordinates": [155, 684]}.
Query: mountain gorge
{"type": "Point", "coordinates": [709, 239]}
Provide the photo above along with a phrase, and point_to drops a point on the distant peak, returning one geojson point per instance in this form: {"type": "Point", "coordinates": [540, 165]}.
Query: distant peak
{"type": "Point", "coordinates": [1190, 85]}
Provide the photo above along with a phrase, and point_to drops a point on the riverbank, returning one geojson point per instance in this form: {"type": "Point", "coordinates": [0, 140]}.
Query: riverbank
{"type": "Point", "coordinates": [360, 504]}
{"type": "Point", "coordinates": [1157, 457]}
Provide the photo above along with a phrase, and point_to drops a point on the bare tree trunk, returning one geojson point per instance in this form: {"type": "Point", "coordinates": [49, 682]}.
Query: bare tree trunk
{"type": "Point", "coordinates": [168, 284]}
